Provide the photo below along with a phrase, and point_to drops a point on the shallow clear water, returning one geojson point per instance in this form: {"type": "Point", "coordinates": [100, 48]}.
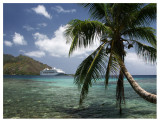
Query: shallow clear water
{"type": "Point", "coordinates": [58, 97]}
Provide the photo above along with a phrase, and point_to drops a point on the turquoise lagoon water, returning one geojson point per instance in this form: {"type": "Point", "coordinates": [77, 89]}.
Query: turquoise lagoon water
{"type": "Point", "coordinates": [58, 97]}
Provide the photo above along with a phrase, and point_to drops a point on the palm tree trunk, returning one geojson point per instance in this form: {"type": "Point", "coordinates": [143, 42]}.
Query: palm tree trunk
{"type": "Point", "coordinates": [141, 92]}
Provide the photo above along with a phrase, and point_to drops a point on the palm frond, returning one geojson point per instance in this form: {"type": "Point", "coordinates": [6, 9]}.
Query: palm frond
{"type": "Point", "coordinates": [91, 69]}
{"type": "Point", "coordinates": [148, 53]}
{"type": "Point", "coordinates": [84, 33]}
{"type": "Point", "coordinates": [112, 67]}
{"type": "Point", "coordinates": [98, 11]}
{"type": "Point", "coordinates": [137, 14]}
{"type": "Point", "coordinates": [117, 54]}
{"type": "Point", "coordinates": [141, 33]}
{"type": "Point", "coordinates": [127, 15]}
{"type": "Point", "coordinates": [146, 15]}
{"type": "Point", "coordinates": [121, 12]}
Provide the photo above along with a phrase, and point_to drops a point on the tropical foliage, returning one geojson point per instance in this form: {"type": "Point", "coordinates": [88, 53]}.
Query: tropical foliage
{"type": "Point", "coordinates": [118, 27]}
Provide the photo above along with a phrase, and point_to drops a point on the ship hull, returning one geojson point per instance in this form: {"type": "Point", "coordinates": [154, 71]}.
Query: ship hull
{"type": "Point", "coordinates": [53, 74]}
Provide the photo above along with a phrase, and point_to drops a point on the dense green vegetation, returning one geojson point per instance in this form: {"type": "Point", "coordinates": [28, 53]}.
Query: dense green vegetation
{"type": "Point", "coordinates": [21, 65]}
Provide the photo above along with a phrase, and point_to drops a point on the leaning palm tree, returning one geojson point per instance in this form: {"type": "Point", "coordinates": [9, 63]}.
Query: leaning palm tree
{"type": "Point", "coordinates": [118, 27]}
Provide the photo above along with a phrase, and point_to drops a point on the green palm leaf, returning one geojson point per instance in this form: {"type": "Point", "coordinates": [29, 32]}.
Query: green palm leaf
{"type": "Point", "coordinates": [148, 53]}
{"type": "Point", "coordinates": [146, 15]}
{"type": "Point", "coordinates": [113, 64]}
{"type": "Point", "coordinates": [83, 33]}
{"type": "Point", "coordinates": [99, 11]}
{"type": "Point", "coordinates": [141, 33]}
{"type": "Point", "coordinates": [112, 67]}
{"type": "Point", "coordinates": [91, 69]}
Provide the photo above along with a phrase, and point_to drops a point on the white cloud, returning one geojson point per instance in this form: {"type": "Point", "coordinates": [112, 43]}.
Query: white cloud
{"type": "Point", "coordinates": [18, 39]}
{"type": "Point", "coordinates": [59, 9]}
{"type": "Point", "coordinates": [42, 24]}
{"type": "Point", "coordinates": [137, 65]}
{"type": "Point", "coordinates": [28, 28]}
{"type": "Point", "coordinates": [40, 9]}
{"type": "Point", "coordinates": [8, 43]}
{"type": "Point", "coordinates": [131, 57]}
{"type": "Point", "coordinates": [37, 54]}
{"type": "Point", "coordinates": [38, 36]}
{"type": "Point", "coordinates": [22, 51]}
{"type": "Point", "coordinates": [57, 46]}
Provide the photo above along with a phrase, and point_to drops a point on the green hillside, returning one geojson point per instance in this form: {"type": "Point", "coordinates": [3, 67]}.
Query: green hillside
{"type": "Point", "coordinates": [21, 65]}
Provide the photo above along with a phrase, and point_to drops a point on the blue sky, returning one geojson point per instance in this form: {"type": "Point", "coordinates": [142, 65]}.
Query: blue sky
{"type": "Point", "coordinates": [36, 30]}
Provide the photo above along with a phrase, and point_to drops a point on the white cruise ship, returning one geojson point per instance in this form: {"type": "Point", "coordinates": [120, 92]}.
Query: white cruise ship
{"type": "Point", "coordinates": [52, 71]}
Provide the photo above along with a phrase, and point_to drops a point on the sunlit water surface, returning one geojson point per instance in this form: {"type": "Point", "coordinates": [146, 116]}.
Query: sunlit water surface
{"type": "Point", "coordinates": [58, 97]}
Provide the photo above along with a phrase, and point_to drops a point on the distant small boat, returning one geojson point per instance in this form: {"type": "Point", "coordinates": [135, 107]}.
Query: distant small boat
{"type": "Point", "coordinates": [52, 71]}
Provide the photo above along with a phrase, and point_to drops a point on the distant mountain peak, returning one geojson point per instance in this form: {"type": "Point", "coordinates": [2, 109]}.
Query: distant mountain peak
{"type": "Point", "coordinates": [21, 65]}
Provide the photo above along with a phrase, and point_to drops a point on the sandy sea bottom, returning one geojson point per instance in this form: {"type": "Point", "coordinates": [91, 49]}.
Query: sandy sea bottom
{"type": "Point", "coordinates": [58, 97]}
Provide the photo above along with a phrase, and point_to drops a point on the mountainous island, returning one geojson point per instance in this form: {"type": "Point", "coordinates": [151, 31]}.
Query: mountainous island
{"type": "Point", "coordinates": [21, 65]}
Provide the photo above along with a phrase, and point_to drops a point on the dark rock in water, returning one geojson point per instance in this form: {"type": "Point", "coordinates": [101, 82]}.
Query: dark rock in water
{"type": "Point", "coordinates": [102, 103]}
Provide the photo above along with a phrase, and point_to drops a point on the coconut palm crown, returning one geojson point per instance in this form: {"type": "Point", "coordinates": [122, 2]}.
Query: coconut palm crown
{"type": "Point", "coordinates": [118, 27]}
